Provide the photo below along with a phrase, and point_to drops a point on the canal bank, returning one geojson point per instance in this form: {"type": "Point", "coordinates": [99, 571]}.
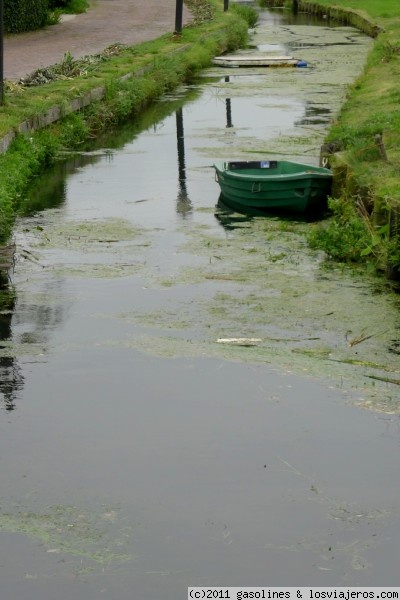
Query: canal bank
{"type": "Point", "coordinates": [107, 89]}
{"type": "Point", "coordinates": [363, 144]}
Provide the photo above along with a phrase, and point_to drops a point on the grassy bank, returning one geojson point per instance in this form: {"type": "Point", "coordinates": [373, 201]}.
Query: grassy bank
{"type": "Point", "coordinates": [365, 142]}
{"type": "Point", "coordinates": [124, 79]}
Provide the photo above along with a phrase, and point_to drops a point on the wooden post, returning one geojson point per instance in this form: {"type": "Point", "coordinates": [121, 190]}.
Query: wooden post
{"type": "Point", "coordinates": [381, 146]}
{"type": "Point", "coordinates": [328, 150]}
{"type": "Point", "coordinates": [295, 6]}
{"type": "Point", "coordinates": [226, 5]}
{"type": "Point", "coordinates": [1, 53]}
{"type": "Point", "coordinates": [178, 16]}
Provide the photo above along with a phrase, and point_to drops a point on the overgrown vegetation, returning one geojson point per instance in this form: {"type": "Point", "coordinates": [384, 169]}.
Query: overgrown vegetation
{"type": "Point", "coordinates": [346, 237]}
{"type": "Point", "coordinates": [248, 13]}
{"type": "Point", "coordinates": [69, 6]}
{"type": "Point", "coordinates": [27, 15]}
{"type": "Point", "coordinates": [24, 15]}
{"type": "Point", "coordinates": [365, 214]}
{"type": "Point", "coordinates": [351, 235]}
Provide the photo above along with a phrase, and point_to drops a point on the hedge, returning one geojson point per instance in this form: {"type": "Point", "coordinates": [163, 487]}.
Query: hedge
{"type": "Point", "coordinates": [24, 15]}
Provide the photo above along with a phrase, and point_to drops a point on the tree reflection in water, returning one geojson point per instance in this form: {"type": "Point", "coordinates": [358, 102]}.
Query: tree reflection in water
{"type": "Point", "coordinates": [11, 379]}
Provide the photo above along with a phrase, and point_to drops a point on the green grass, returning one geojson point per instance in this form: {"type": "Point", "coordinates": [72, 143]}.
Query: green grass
{"type": "Point", "coordinates": [379, 10]}
{"type": "Point", "coordinates": [76, 7]}
{"type": "Point", "coordinates": [248, 13]}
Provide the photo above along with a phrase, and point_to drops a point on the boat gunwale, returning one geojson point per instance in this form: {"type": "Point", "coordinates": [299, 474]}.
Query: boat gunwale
{"type": "Point", "coordinates": [264, 174]}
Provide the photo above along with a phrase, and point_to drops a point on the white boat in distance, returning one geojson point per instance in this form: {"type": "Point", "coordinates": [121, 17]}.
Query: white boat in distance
{"type": "Point", "coordinates": [257, 60]}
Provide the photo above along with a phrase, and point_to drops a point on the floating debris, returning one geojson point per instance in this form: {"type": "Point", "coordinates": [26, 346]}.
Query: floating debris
{"type": "Point", "coordinates": [385, 379]}
{"type": "Point", "coordinates": [240, 341]}
{"type": "Point", "coordinates": [68, 68]}
{"type": "Point", "coordinates": [362, 337]}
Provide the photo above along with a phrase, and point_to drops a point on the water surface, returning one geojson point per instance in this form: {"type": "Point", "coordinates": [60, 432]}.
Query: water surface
{"type": "Point", "coordinates": [139, 454]}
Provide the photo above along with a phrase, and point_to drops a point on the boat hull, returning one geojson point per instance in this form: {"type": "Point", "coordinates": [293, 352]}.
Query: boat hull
{"type": "Point", "coordinates": [273, 185]}
{"type": "Point", "coordinates": [255, 60]}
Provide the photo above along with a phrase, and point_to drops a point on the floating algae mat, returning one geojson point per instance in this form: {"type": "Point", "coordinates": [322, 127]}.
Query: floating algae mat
{"type": "Point", "coordinates": [261, 282]}
{"type": "Point", "coordinates": [235, 278]}
{"type": "Point", "coordinates": [86, 541]}
{"type": "Point", "coordinates": [181, 271]}
{"type": "Point", "coordinates": [286, 112]}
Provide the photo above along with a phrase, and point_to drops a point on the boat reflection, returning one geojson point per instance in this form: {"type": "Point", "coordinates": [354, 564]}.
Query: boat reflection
{"type": "Point", "coordinates": [231, 218]}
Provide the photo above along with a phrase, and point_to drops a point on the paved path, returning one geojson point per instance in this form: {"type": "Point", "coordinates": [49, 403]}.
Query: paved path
{"type": "Point", "coordinates": [106, 22]}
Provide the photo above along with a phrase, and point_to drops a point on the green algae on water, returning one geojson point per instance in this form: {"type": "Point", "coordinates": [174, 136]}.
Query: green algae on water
{"type": "Point", "coordinates": [96, 537]}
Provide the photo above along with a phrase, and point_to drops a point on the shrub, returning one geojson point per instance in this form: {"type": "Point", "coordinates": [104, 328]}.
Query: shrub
{"type": "Point", "coordinates": [58, 4]}
{"type": "Point", "coordinates": [345, 237]}
{"type": "Point", "coordinates": [68, 6]}
{"type": "Point", "coordinates": [24, 15]}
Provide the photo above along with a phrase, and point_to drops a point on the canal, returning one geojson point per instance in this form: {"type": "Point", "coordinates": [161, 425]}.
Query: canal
{"type": "Point", "coordinates": [191, 396]}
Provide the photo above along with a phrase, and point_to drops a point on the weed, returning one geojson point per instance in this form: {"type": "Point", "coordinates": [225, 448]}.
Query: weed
{"type": "Point", "coordinates": [53, 17]}
{"type": "Point", "coordinates": [352, 234]}
{"type": "Point", "coordinates": [76, 7]}
{"type": "Point", "coordinates": [391, 51]}
{"type": "Point", "coordinates": [247, 13]}
{"type": "Point", "coordinates": [345, 236]}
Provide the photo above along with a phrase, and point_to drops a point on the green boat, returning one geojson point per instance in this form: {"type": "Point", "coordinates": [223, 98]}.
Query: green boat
{"type": "Point", "coordinates": [273, 185]}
